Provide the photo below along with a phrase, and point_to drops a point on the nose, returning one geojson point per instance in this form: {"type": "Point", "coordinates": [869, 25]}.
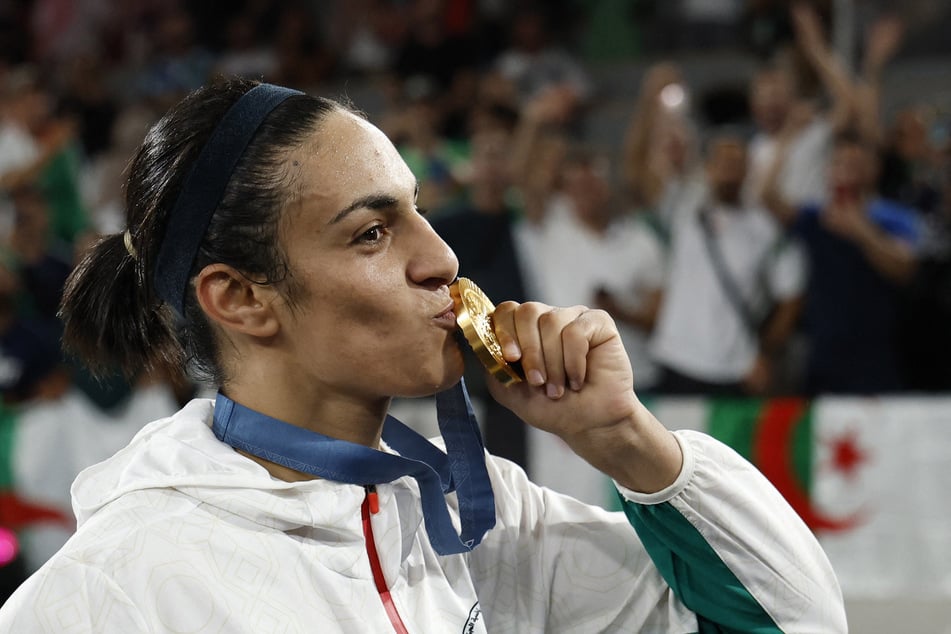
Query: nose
{"type": "Point", "coordinates": [433, 263]}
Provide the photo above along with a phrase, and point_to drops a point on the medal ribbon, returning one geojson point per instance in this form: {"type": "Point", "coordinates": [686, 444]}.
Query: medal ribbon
{"type": "Point", "coordinates": [462, 469]}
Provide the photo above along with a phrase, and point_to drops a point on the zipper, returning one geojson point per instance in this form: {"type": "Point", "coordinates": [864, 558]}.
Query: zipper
{"type": "Point", "coordinates": [371, 506]}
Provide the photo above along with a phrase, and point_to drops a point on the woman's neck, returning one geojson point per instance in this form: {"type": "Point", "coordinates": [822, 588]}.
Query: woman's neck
{"type": "Point", "coordinates": [342, 416]}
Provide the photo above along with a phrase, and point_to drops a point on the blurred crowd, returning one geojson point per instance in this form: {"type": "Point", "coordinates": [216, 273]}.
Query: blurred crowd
{"type": "Point", "coordinates": [792, 239]}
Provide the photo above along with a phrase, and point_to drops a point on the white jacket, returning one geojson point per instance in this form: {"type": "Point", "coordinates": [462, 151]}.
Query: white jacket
{"type": "Point", "coordinates": [179, 533]}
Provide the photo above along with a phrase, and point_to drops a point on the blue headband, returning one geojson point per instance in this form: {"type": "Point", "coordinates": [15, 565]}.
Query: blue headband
{"type": "Point", "coordinates": [205, 185]}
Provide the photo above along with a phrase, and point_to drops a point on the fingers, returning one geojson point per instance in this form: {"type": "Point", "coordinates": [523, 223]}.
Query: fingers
{"type": "Point", "coordinates": [552, 344]}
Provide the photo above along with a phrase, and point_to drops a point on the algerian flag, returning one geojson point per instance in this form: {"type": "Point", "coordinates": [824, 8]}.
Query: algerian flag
{"type": "Point", "coordinates": [44, 446]}
{"type": "Point", "coordinates": [871, 477]}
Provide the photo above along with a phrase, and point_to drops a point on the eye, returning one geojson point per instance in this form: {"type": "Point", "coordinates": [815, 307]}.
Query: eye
{"type": "Point", "coordinates": [371, 235]}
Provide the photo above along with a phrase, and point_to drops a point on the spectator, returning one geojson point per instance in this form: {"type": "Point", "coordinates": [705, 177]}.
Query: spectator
{"type": "Point", "coordinates": [659, 146]}
{"type": "Point", "coordinates": [46, 153]}
{"type": "Point", "coordinates": [728, 261]}
{"type": "Point", "coordinates": [179, 63]}
{"type": "Point", "coordinates": [43, 262]}
{"type": "Point", "coordinates": [303, 58]}
{"type": "Point", "coordinates": [103, 177]}
{"type": "Point", "coordinates": [774, 94]}
{"type": "Point", "coordinates": [861, 250]}
{"type": "Point", "coordinates": [245, 54]}
{"type": "Point", "coordinates": [20, 154]}
{"type": "Point", "coordinates": [482, 233]}
{"type": "Point", "coordinates": [431, 49]}
{"type": "Point", "coordinates": [416, 128]}
{"type": "Point", "coordinates": [370, 33]}
{"type": "Point", "coordinates": [535, 65]}
{"type": "Point", "coordinates": [88, 101]}
{"type": "Point", "coordinates": [909, 173]}
{"type": "Point", "coordinates": [585, 251]}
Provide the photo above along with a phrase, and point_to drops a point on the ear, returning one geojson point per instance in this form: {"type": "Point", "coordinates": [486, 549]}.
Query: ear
{"type": "Point", "coordinates": [236, 303]}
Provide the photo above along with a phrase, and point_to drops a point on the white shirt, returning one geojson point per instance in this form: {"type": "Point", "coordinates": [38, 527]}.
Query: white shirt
{"type": "Point", "coordinates": [18, 150]}
{"type": "Point", "coordinates": [802, 179]}
{"type": "Point", "coordinates": [180, 533]}
{"type": "Point", "coordinates": [699, 332]}
{"type": "Point", "coordinates": [568, 263]}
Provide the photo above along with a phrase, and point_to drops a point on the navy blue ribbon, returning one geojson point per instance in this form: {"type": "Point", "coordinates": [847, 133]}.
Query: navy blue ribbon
{"type": "Point", "coordinates": [462, 469]}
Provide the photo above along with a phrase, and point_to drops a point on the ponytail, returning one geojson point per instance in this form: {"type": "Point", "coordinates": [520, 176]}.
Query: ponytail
{"type": "Point", "coordinates": [115, 314]}
{"type": "Point", "coordinates": [109, 319]}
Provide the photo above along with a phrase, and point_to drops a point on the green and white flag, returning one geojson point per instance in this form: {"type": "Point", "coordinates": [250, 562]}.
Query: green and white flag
{"type": "Point", "coordinates": [871, 477]}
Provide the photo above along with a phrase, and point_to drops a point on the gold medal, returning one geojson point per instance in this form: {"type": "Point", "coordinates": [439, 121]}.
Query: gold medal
{"type": "Point", "coordinates": [474, 317]}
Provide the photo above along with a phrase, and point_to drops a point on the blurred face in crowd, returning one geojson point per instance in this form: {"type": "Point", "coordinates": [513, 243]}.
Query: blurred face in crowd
{"type": "Point", "coordinates": [726, 169]}
{"type": "Point", "coordinates": [490, 160]}
{"type": "Point", "coordinates": [910, 134]}
{"type": "Point", "coordinates": [771, 96]}
{"type": "Point", "coordinates": [585, 182]}
{"type": "Point", "coordinates": [853, 168]}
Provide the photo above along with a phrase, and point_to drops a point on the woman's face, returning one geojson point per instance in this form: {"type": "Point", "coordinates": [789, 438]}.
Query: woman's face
{"type": "Point", "coordinates": [373, 317]}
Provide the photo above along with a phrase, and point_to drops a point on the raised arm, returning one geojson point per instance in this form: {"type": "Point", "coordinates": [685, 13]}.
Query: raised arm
{"type": "Point", "coordinates": [893, 258]}
{"type": "Point", "coordinates": [773, 198]}
{"type": "Point", "coordinates": [639, 165]}
{"type": "Point", "coordinates": [832, 72]}
{"type": "Point", "coordinates": [883, 39]}
{"type": "Point", "coordinates": [726, 552]}
{"type": "Point", "coordinates": [534, 148]}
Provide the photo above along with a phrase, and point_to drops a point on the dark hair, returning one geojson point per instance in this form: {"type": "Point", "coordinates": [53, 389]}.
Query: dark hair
{"type": "Point", "coordinates": [111, 314]}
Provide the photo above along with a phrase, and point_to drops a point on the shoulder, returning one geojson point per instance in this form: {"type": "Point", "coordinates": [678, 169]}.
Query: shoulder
{"type": "Point", "coordinates": [895, 219]}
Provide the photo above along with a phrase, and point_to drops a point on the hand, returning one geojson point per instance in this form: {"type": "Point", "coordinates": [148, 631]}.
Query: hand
{"type": "Point", "coordinates": [847, 219]}
{"type": "Point", "coordinates": [658, 77]}
{"type": "Point", "coordinates": [883, 38]}
{"type": "Point", "coordinates": [553, 106]}
{"type": "Point", "coordinates": [580, 387]}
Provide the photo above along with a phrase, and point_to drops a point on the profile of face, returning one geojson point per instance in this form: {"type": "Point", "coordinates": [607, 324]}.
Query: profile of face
{"type": "Point", "coordinates": [771, 95]}
{"type": "Point", "coordinates": [726, 169]}
{"type": "Point", "coordinates": [372, 318]}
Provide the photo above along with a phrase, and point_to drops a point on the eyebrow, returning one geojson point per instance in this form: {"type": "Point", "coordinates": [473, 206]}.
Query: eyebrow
{"type": "Point", "coordinates": [371, 201]}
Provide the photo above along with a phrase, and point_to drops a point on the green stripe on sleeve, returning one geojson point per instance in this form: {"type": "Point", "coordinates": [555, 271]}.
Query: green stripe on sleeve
{"type": "Point", "coordinates": [7, 431]}
{"type": "Point", "coordinates": [695, 572]}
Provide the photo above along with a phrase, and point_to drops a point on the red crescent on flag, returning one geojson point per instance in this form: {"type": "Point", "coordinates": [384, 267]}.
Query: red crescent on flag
{"type": "Point", "coordinates": [16, 513]}
{"type": "Point", "coordinates": [772, 454]}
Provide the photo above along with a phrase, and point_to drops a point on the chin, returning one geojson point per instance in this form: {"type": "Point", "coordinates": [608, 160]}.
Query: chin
{"type": "Point", "coordinates": [436, 378]}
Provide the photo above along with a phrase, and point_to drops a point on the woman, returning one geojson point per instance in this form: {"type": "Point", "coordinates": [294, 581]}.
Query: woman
{"type": "Point", "coordinates": [279, 231]}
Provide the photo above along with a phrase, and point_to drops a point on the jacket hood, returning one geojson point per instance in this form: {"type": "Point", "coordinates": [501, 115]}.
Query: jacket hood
{"type": "Point", "coordinates": [182, 453]}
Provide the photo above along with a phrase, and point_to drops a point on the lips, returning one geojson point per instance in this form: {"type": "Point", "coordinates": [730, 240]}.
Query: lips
{"type": "Point", "coordinates": [446, 316]}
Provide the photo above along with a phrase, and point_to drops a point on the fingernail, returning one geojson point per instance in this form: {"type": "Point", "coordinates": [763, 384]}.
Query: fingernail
{"type": "Point", "coordinates": [554, 391]}
{"type": "Point", "coordinates": [535, 377]}
{"type": "Point", "coordinates": [511, 351]}
{"type": "Point", "coordinates": [575, 385]}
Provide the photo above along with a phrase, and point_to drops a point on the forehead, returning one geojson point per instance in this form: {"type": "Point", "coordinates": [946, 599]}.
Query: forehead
{"type": "Point", "coordinates": [345, 158]}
